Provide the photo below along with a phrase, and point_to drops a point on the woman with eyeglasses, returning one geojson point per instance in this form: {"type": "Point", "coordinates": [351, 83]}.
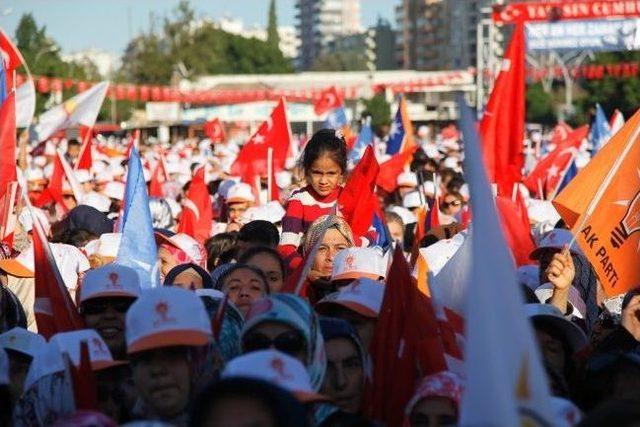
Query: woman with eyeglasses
{"type": "Point", "coordinates": [287, 323]}
{"type": "Point", "coordinates": [451, 206]}
{"type": "Point", "coordinates": [105, 297]}
{"type": "Point", "coordinates": [243, 284]}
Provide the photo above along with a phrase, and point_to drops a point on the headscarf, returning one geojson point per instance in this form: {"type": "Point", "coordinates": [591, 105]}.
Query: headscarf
{"type": "Point", "coordinates": [180, 255]}
{"type": "Point", "coordinates": [207, 281]}
{"type": "Point", "coordinates": [333, 328]}
{"type": "Point", "coordinates": [218, 272]}
{"type": "Point", "coordinates": [228, 343]}
{"type": "Point", "coordinates": [317, 229]}
{"type": "Point", "coordinates": [443, 384]}
{"type": "Point", "coordinates": [295, 312]}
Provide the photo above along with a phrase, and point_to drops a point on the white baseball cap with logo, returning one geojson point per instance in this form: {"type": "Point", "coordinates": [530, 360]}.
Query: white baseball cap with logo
{"type": "Point", "coordinates": [555, 239]}
{"type": "Point", "coordinates": [275, 367]}
{"type": "Point", "coordinates": [194, 250]}
{"type": "Point", "coordinates": [69, 259]}
{"type": "Point", "coordinates": [364, 296]}
{"type": "Point", "coordinates": [23, 341]}
{"type": "Point", "coordinates": [354, 263]}
{"type": "Point", "coordinates": [240, 192]}
{"type": "Point", "coordinates": [111, 280]}
{"type": "Point", "coordinates": [165, 317]}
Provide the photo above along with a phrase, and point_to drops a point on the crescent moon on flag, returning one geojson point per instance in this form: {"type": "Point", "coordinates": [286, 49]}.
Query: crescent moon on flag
{"type": "Point", "coordinates": [269, 123]}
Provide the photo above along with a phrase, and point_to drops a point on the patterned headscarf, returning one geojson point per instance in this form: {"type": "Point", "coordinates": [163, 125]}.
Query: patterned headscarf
{"type": "Point", "coordinates": [443, 384]}
{"type": "Point", "coordinates": [295, 312]}
{"type": "Point", "coordinates": [317, 229]}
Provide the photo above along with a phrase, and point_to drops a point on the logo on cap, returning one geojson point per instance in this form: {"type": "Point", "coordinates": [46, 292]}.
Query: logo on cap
{"type": "Point", "coordinates": [278, 366]}
{"type": "Point", "coordinates": [350, 262]}
{"type": "Point", "coordinates": [114, 277]}
{"type": "Point", "coordinates": [98, 344]}
{"type": "Point", "coordinates": [162, 310]}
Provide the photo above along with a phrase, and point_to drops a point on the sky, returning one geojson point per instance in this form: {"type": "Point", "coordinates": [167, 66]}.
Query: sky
{"type": "Point", "coordinates": [109, 24]}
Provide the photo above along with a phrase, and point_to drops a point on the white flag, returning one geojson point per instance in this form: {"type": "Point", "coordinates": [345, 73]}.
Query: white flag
{"type": "Point", "coordinates": [506, 382]}
{"type": "Point", "coordinates": [25, 104]}
{"type": "Point", "coordinates": [82, 109]}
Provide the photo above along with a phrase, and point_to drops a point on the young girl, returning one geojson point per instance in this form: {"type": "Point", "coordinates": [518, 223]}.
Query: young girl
{"type": "Point", "coordinates": [325, 163]}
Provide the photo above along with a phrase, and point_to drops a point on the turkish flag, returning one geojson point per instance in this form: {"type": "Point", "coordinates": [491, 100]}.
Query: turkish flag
{"type": "Point", "coordinates": [406, 346]}
{"type": "Point", "coordinates": [10, 57]}
{"type": "Point", "coordinates": [214, 131]}
{"type": "Point", "coordinates": [197, 213]}
{"type": "Point", "coordinates": [516, 227]}
{"type": "Point", "coordinates": [357, 200]}
{"type": "Point", "coordinates": [85, 391]}
{"type": "Point", "coordinates": [53, 192]}
{"type": "Point", "coordinates": [54, 309]}
{"type": "Point", "coordinates": [85, 159]}
{"type": "Point", "coordinates": [329, 99]}
{"type": "Point", "coordinates": [502, 125]}
{"type": "Point", "coordinates": [273, 133]}
{"type": "Point", "coordinates": [158, 178]}
{"type": "Point", "coordinates": [560, 133]}
{"type": "Point", "coordinates": [389, 170]}
{"type": "Point", "coordinates": [8, 142]}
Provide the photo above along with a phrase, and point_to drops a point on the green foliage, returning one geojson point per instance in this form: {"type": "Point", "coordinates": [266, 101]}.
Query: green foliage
{"type": "Point", "coordinates": [379, 109]}
{"type": "Point", "coordinates": [340, 61]}
{"type": "Point", "coordinates": [273, 38]}
{"type": "Point", "coordinates": [540, 107]}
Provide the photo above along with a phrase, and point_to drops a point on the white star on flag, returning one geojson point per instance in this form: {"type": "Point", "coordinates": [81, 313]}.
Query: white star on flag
{"type": "Point", "coordinates": [258, 139]}
{"type": "Point", "coordinates": [394, 129]}
{"type": "Point", "coordinates": [553, 171]}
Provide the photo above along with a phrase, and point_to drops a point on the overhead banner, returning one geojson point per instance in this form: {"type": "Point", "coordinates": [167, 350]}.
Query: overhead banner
{"type": "Point", "coordinates": [596, 35]}
{"type": "Point", "coordinates": [565, 10]}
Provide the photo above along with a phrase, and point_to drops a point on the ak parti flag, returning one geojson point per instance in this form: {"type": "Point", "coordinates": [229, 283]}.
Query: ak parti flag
{"type": "Point", "coordinates": [389, 170]}
{"type": "Point", "coordinates": [273, 133]}
{"type": "Point", "coordinates": [54, 309]}
{"type": "Point", "coordinates": [329, 100]}
{"type": "Point", "coordinates": [197, 213]}
{"type": "Point", "coordinates": [502, 125]}
{"type": "Point", "coordinates": [602, 207]}
{"type": "Point", "coordinates": [214, 131]}
{"type": "Point", "coordinates": [406, 345]}
{"type": "Point", "coordinates": [357, 201]}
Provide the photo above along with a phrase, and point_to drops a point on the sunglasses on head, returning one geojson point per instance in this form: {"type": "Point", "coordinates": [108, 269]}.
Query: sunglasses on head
{"type": "Point", "coordinates": [98, 306]}
{"type": "Point", "coordinates": [291, 342]}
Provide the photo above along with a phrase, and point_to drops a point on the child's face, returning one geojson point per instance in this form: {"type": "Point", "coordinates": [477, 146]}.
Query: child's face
{"type": "Point", "coordinates": [324, 175]}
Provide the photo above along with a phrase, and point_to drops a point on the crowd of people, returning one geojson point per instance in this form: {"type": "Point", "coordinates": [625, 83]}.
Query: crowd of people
{"type": "Point", "coordinates": [269, 319]}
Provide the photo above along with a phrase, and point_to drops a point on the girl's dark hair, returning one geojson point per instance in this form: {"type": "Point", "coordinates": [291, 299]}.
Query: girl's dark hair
{"type": "Point", "coordinates": [256, 250]}
{"type": "Point", "coordinates": [217, 245]}
{"type": "Point", "coordinates": [239, 266]}
{"type": "Point", "coordinates": [325, 141]}
{"type": "Point", "coordinates": [285, 410]}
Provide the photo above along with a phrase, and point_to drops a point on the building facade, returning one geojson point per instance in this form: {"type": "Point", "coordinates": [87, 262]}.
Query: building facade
{"type": "Point", "coordinates": [320, 23]}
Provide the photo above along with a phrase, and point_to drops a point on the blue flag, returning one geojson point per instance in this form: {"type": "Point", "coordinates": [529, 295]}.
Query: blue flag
{"type": "Point", "coordinates": [138, 247]}
{"type": "Point", "coordinates": [600, 130]}
{"type": "Point", "coordinates": [396, 134]}
{"type": "Point", "coordinates": [383, 239]}
{"type": "Point", "coordinates": [571, 172]}
{"type": "Point", "coordinates": [365, 138]}
{"type": "Point", "coordinates": [336, 119]}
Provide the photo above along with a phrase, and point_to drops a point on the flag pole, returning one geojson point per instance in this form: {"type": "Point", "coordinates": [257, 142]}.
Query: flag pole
{"type": "Point", "coordinates": [269, 172]}
{"type": "Point", "coordinates": [607, 181]}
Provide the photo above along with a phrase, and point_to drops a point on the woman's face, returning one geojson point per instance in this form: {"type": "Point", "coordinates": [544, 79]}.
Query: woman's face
{"type": "Point", "coordinates": [107, 317]}
{"type": "Point", "coordinates": [332, 242]}
{"type": "Point", "coordinates": [451, 205]}
{"type": "Point", "coordinates": [344, 379]}
{"type": "Point", "coordinates": [167, 261]}
{"type": "Point", "coordinates": [189, 280]}
{"type": "Point", "coordinates": [163, 379]}
{"type": "Point", "coordinates": [433, 412]}
{"type": "Point", "coordinates": [239, 412]}
{"type": "Point", "coordinates": [244, 287]}
{"type": "Point", "coordinates": [397, 231]}
{"type": "Point", "coordinates": [271, 268]}
{"type": "Point", "coordinates": [278, 336]}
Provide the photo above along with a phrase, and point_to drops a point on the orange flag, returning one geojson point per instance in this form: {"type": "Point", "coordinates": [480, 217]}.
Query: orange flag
{"type": "Point", "coordinates": [602, 206]}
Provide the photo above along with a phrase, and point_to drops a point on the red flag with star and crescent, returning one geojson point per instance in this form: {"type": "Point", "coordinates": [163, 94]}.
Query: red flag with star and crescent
{"type": "Point", "coordinates": [214, 131]}
{"type": "Point", "coordinates": [329, 100]}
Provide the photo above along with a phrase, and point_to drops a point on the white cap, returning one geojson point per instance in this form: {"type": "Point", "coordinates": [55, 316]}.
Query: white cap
{"type": "Point", "coordinates": [405, 214]}
{"type": "Point", "coordinates": [194, 250]}
{"type": "Point", "coordinates": [225, 186]}
{"type": "Point", "coordinates": [26, 221]}
{"type": "Point", "coordinates": [166, 317]}
{"type": "Point", "coordinates": [34, 174]}
{"type": "Point", "coordinates": [545, 291]}
{"type": "Point", "coordinates": [69, 259]}
{"type": "Point", "coordinates": [114, 190]}
{"type": "Point", "coordinates": [284, 179]}
{"type": "Point", "coordinates": [555, 239]}
{"type": "Point", "coordinates": [40, 161]}
{"type": "Point", "coordinates": [439, 253]}
{"type": "Point", "coordinates": [565, 410]}
{"type": "Point", "coordinates": [241, 192]}
{"type": "Point", "coordinates": [106, 246]}
{"type": "Point", "coordinates": [82, 175]}
{"type": "Point", "coordinates": [412, 200]}
{"type": "Point", "coordinates": [97, 200]}
{"type": "Point", "coordinates": [451, 163]}
{"type": "Point", "coordinates": [407, 179]}
{"type": "Point", "coordinates": [364, 296]}
{"type": "Point", "coordinates": [275, 367]}
{"type": "Point", "coordinates": [429, 188]}
{"type": "Point", "coordinates": [575, 336]}
{"type": "Point", "coordinates": [103, 176]}
{"type": "Point", "coordinates": [111, 280]}
{"type": "Point", "coordinates": [354, 263]}
{"type": "Point", "coordinates": [99, 354]}
{"type": "Point", "coordinates": [271, 211]}
{"type": "Point", "coordinates": [542, 211]}
{"type": "Point", "coordinates": [22, 340]}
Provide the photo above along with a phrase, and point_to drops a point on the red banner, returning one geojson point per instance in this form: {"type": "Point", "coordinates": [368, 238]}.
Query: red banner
{"type": "Point", "coordinates": [564, 10]}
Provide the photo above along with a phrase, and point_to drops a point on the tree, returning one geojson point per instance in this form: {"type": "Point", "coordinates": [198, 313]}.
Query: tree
{"type": "Point", "coordinates": [540, 106]}
{"type": "Point", "coordinates": [273, 38]}
{"type": "Point", "coordinates": [340, 61]}
{"type": "Point", "coordinates": [379, 109]}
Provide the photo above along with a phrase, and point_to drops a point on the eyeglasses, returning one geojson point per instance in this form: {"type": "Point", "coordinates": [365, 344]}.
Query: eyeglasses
{"type": "Point", "coordinates": [98, 306]}
{"type": "Point", "coordinates": [452, 203]}
{"type": "Point", "coordinates": [291, 343]}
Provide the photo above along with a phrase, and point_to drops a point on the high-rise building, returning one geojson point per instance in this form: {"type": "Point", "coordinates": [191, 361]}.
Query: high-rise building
{"type": "Point", "coordinates": [320, 22]}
